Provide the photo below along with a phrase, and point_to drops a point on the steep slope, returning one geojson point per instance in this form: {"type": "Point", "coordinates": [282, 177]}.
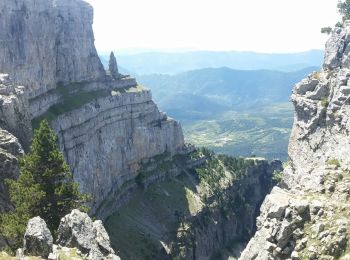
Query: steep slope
{"type": "Point", "coordinates": [204, 207]}
{"type": "Point", "coordinates": [107, 124]}
{"type": "Point", "coordinates": [308, 217]}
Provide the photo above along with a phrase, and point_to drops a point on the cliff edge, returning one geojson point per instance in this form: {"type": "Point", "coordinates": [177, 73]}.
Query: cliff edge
{"type": "Point", "coordinates": [307, 217]}
{"type": "Point", "coordinates": [107, 124]}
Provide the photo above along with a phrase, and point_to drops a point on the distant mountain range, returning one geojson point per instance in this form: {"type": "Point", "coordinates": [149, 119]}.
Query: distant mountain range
{"type": "Point", "coordinates": [208, 91]}
{"type": "Point", "coordinates": [235, 112]}
{"type": "Point", "coordinates": [232, 102]}
{"type": "Point", "coordinates": [174, 63]}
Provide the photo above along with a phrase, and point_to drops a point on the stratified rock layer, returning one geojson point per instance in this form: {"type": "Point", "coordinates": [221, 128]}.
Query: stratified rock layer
{"type": "Point", "coordinates": [309, 217]}
{"type": "Point", "coordinates": [106, 124]}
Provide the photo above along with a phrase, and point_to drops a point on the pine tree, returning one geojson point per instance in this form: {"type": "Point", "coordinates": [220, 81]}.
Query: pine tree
{"type": "Point", "coordinates": [344, 11]}
{"type": "Point", "coordinates": [44, 188]}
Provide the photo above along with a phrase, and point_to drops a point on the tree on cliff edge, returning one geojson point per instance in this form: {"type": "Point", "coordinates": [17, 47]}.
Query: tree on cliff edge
{"type": "Point", "coordinates": [44, 188]}
{"type": "Point", "coordinates": [344, 10]}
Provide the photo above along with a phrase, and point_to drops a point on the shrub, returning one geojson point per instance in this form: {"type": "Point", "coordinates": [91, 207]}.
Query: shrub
{"type": "Point", "coordinates": [326, 30]}
{"type": "Point", "coordinates": [324, 102]}
{"type": "Point", "coordinates": [278, 176]}
{"type": "Point", "coordinates": [333, 162]}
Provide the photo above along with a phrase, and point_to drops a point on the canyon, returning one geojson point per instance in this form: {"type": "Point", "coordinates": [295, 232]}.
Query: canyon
{"type": "Point", "coordinates": [160, 198]}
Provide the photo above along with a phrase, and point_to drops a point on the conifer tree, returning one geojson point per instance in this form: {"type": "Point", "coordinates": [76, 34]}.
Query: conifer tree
{"type": "Point", "coordinates": [45, 187]}
{"type": "Point", "coordinates": [344, 10]}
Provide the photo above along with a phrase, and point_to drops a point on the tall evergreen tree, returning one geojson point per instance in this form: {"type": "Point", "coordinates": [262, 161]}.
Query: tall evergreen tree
{"type": "Point", "coordinates": [44, 188]}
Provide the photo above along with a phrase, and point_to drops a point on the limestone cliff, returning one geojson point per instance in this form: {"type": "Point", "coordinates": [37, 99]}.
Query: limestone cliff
{"type": "Point", "coordinates": [107, 124]}
{"type": "Point", "coordinates": [43, 42]}
{"type": "Point", "coordinates": [308, 216]}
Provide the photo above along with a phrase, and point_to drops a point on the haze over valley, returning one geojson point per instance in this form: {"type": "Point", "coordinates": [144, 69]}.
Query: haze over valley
{"type": "Point", "coordinates": [235, 103]}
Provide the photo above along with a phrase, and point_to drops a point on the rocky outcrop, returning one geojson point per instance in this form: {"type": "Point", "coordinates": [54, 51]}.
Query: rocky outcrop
{"type": "Point", "coordinates": [38, 240]}
{"type": "Point", "coordinates": [77, 230]}
{"type": "Point", "coordinates": [10, 149]}
{"type": "Point", "coordinates": [308, 217]}
{"type": "Point", "coordinates": [113, 67]}
{"type": "Point", "coordinates": [78, 237]}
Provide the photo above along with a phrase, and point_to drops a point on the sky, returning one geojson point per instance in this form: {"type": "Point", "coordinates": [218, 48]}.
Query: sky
{"type": "Point", "coordinates": [269, 26]}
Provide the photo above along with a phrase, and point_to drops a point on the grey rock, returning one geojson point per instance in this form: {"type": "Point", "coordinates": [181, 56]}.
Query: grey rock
{"type": "Point", "coordinates": [319, 156]}
{"type": "Point", "coordinates": [104, 140]}
{"type": "Point", "coordinates": [113, 67]}
{"type": "Point", "coordinates": [53, 43]}
{"type": "Point", "coordinates": [38, 240]}
{"type": "Point", "coordinates": [10, 149]}
{"type": "Point", "coordinates": [79, 231]}
{"type": "Point", "coordinates": [102, 237]}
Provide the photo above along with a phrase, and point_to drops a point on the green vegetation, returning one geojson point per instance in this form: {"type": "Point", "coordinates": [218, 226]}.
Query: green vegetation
{"type": "Point", "coordinates": [234, 112]}
{"type": "Point", "coordinates": [278, 176]}
{"type": "Point", "coordinates": [176, 209]}
{"type": "Point", "coordinates": [324, 102]}
{"type": "Point", "coordinates": [344, 10]}
{"type": "Point", "coordinates": [264, 133]}
{"type": "Point", "coordinates": [333, 161]}
{"type": "Point", "coordinates": [326, 30]}
{"type": "Point", "coordinates": [72, 97]}
{"type": "Point", "coordinates": [135, 89]}
{"type": "Point", "coordinates": [44, 188]}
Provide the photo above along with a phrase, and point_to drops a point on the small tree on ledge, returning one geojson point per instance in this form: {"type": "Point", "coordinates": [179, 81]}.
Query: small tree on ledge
{"type": "Point", "coordinates": [44, 188]}
{"type": "Point", "coordinates": [344, 10]}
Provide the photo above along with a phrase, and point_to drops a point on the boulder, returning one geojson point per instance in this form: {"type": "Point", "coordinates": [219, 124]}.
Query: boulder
{"type": "Point", "coordinates": [78, 230]}
{"type": "Point", "coordinates": [37, 239]}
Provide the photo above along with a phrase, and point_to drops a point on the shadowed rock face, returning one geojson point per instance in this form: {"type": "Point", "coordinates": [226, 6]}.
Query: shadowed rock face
{"type": "Point", "coordinates": [43, 42]}
{"type": "Point", "coordinates": [309, 217]}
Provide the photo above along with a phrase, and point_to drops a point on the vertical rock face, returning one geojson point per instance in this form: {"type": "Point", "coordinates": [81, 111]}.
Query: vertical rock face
{"type": "Point", "coordinates": [104, 142]}
{"type": "Point", "coordinates": [106, 123]}
{"type": "Point", "coordinates": [10, 148]}
{"type": "Point", "coordinates": [43, 42]}
{"type": "Point", "coordinates": [309, 217]}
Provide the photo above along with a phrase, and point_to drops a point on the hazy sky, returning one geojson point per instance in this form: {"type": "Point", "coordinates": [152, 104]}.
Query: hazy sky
{"type": "Point", "coordinates": [250, 25]}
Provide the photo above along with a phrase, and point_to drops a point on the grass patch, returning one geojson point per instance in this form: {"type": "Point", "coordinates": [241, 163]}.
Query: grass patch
{"type": "Point", "coordinates": [74, 97]}
{"type": "Point", "coordinates": [333, 162]}
{"type": "Point", "coordinates": [159, 213]}
{"type": "Point", "coordinates": [324, 102]}
{"type": "Point", "coordinates": [69, 103]}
